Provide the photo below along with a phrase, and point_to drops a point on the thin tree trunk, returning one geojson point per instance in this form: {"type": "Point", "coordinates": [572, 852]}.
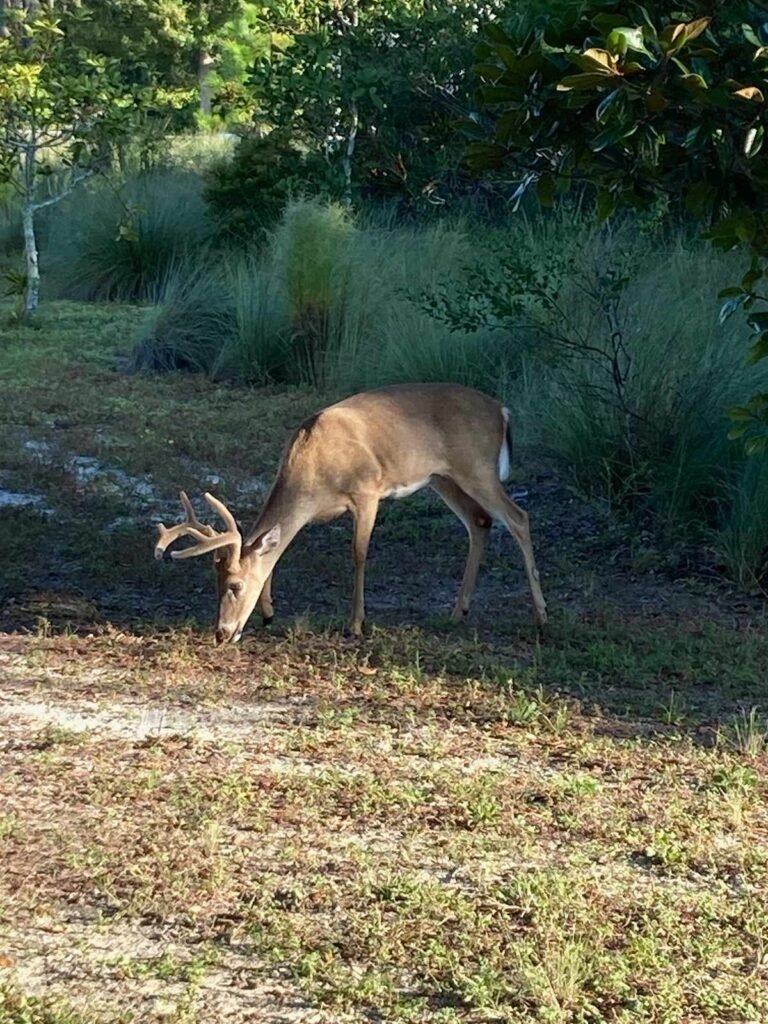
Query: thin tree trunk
{"type": "Point", "coordinates": [204, 69]}
{"type": "Point", "coordinates": [349, 154]}
{"type": "Point", "coordinates": [32, 293]}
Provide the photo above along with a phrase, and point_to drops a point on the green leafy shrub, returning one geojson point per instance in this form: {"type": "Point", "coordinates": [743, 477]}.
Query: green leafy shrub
{"type": "Point", "coordinates": [248, 192]}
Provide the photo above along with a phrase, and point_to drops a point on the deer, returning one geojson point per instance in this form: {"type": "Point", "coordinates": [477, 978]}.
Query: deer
{"type": "Point", "coordinates": [387, 443]}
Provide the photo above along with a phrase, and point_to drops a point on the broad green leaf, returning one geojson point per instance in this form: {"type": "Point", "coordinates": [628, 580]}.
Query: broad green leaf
{"type": "Point", "coordinates": [750, 279]}
{"type": "Point", "coordinates": [622, 38]}
{"type": "Point", "coordinates": [488, 72]}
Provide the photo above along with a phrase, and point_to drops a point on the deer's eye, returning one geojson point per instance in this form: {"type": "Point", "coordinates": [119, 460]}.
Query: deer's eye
{"type": "Point", "coordinates": [236, 588]}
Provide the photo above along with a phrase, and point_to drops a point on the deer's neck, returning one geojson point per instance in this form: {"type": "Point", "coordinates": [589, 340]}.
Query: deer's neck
{"type": "Point", "coordinates": [289, 506]}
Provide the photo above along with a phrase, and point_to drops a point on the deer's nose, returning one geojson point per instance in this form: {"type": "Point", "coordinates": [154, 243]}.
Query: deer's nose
{"type": "Point", "coordinates": [222, 635]}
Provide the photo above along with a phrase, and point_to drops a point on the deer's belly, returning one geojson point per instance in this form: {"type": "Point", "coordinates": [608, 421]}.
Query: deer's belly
{"type": "Point", "coordinates": [403, 490]}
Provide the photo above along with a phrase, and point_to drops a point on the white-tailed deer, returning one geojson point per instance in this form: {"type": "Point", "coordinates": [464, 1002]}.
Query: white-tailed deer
{"type": "Point", "coordinates": [379, 444]}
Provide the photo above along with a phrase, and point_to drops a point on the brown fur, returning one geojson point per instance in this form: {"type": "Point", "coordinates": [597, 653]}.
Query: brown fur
{"type": "Point", "coordinates": [354, 453]}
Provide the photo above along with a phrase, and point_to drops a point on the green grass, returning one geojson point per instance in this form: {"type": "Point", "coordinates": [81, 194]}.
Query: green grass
{"type": "Point", "coordinates": [429, 824]}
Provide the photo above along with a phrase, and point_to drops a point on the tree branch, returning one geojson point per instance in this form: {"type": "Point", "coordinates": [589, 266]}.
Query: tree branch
{"type": "Point", "coordinates": [63, 194]}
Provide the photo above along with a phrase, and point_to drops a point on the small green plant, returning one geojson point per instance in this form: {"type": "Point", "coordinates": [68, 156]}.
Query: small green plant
{"type": "Point", "coordinates": [747, 732]}
{"type": "Point", "coordinates": [736, 778]}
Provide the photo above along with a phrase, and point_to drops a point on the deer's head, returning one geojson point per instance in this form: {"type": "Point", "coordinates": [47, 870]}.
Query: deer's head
{"type": "Point", "coordinates": [240, 569]}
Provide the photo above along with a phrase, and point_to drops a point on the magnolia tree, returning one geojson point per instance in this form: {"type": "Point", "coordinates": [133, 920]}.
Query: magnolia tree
{"type": "Point", "coordinates": [645, 103]}
{"type": "Point", "coordinates": [61, 105]}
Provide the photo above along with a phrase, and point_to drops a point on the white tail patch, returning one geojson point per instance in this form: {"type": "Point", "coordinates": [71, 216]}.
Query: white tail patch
{"type": "Point", "coordinates": [504, 454]}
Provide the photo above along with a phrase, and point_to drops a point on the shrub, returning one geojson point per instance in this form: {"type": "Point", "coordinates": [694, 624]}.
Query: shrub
{"type": "Point", "coordinates": [191, 326]}
{"type": "Point", "coordinates": [248, 192]}
{"type": "Point", "coordinates": [122, 244]}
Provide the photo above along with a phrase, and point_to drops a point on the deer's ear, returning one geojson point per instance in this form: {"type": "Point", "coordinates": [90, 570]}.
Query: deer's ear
{"type": "Point", "coordinates": [266, 541]}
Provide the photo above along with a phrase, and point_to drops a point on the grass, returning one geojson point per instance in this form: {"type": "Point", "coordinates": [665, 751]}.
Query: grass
{"type": "Point", "coordinates": [430, 824]}
{"type": "Point", "coordinates": [122, 241]}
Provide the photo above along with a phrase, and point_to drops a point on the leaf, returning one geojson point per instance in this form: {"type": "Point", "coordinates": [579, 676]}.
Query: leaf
{"type": "Point", "coordinates": [675, 37]}
{"type": "Point", "coordinates": [495, 33]}
{"type": "Point", "coordinates": [758, 321]}
{"type": "Point", "coordinates": [585, 81]}
{"type": "Point", "coordinates": [756, 445]}
{"type": "Point", "coordinates": [729, 308]}
{"type": "Point", "coordinates": [506, 125]}
{"type": "Point", "coordinates": [753, 141]}
{"type": "Point", "coordinates": [488, 72]}
{"type": "Point", "coordinates": [498, 93]}
{"type": "Point", "coordinates": [729, 293]}
{"type": "Point", "coordinates": [695, 83]}
{"type": "Point", "coordinates": [751, 278]}
{"type": "Point", "coordinates": [750, 92]}
{"type": "Point", "coordinates": [621, 39]}
{"type": "Point", "coordinates": [484, 156]}
{"type": "Point", "coordinates": [656, 101]}
{"type": "Point", "coordinates": [740, 412]}
{"type": "Point", "coordinates": [610, 136]}
{"type": "Point", "coordinates": [605, 104]}
{"type": "Point", "coordinates": [596, 60]}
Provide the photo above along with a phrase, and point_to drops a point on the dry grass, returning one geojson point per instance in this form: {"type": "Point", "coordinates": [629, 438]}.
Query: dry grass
{"type": "Point", "coordinates": [429, 824]}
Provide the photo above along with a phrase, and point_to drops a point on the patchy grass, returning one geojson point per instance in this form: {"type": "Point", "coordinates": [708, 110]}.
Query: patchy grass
{"type": "Point", "coordinates": [430, 824]}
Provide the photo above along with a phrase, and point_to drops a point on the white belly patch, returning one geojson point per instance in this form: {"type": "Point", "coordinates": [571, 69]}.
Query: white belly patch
{"type": "Point", "coordinates": [504, 462]}
{"type": "Point", "coordinates": [404, 490]}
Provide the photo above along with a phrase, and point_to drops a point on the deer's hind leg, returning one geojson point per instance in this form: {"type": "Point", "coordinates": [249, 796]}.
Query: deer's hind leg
{"type": "Point", "coordinates": [478, 524]}
{"type": "Point", "coordinates": [490, 494]}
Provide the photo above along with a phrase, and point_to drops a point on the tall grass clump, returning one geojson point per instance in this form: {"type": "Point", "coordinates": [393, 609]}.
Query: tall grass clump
{"type": "Point", "coordinates": [309, 250]}
{"type": "Point", "coordinates": [257, 348]}
{"type": "Point", "coordinates": [121, 243]}
{"type": "Point", "coordinates": [636, 407]}
{"type": "Point", "coordinates": [191, 326]}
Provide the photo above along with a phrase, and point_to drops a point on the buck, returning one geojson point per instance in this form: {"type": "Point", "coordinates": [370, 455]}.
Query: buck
{"type": "Point", "coordinates": [379, 444]}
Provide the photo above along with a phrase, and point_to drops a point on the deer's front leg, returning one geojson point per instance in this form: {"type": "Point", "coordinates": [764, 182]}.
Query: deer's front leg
{"type": "Point", "coordinates": [364, 510]}
{"type": "Point", "coordinates": [265, 602]}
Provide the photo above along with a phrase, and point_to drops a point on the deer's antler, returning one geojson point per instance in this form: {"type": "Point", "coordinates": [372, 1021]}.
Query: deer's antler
{"type": "Point", "coordinates": [207, 538]}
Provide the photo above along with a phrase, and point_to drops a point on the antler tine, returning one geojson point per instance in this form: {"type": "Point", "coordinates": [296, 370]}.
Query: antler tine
{"type": "Point", "coordinates": [191, 526]}
{"type": "Point", "coordinates": [231, 538]}
{"type": "Point", "coordinates": [223, 511]}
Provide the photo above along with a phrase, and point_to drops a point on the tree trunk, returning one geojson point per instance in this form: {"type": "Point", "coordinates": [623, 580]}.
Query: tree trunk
{"type": "Point", "coordinates": [349, 154]}
{"type": "Point", "coordinates": [204, 69]}
{"type": "Point", "coordinates": [32, 293]}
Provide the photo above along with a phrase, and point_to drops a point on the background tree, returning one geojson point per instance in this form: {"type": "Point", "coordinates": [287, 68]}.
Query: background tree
{"type": "Point", "coordinates": [644, 106]}
{"type": "Point", "coordinates": [367, 85]}
{"type": "Point", "coordinates": [178, 44]}
{"type": "Point", "coordinates": [60, 104]}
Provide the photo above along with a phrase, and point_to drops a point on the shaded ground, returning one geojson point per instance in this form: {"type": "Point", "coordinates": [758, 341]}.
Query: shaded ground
{"type": "Point", "coordinates": [430, 824]}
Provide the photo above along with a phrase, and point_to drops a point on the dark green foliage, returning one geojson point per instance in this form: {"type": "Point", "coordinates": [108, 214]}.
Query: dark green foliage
{"type": "Point", "coordinates": [642, 103]}
{"type": "Point", "coordinates": [247, 193]}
